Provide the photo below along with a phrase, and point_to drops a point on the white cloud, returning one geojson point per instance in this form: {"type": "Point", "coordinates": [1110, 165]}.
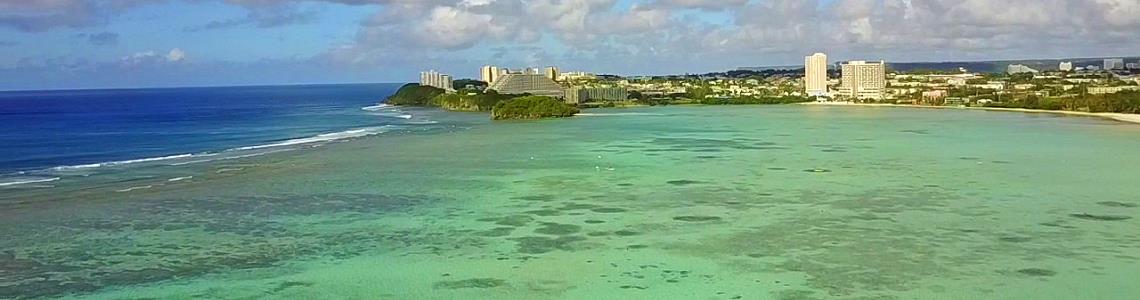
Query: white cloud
{"type": "Point", "coordinates": [175, 55]}
{"type": "Point", "coordinates": [138, 58]}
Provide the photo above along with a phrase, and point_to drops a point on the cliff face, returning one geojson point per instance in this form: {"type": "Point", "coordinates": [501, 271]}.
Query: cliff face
{"type": "Point", "coordinates": [461, 105]}
{"type": "Point", "coordinates": [502, 106]}
{"type": "Point", "coordinates": [414, 95]}
{"type": "Point", "coordinates": [457, 102]}
{"type": "Point", "coordinates": [470, 100]}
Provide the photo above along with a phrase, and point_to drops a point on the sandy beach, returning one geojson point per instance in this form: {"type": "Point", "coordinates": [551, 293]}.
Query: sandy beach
{"type": "Point", "coordinates": [1129, 118]}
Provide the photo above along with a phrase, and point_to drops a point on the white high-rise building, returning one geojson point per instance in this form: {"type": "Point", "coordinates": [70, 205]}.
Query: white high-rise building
{"type": "Point", "coordinates": [815, 74]}
{"type": "Point", "coordinates": [1066, 66]}
{"type": "Point", "coordinates": [552, 73]}
{"type": "Point", "coordinates": [435, 79]}
{"type": "Point", "coordinates": [1113, 64]}
{"type": "Point", "coordinates": [863, 80]}
{"type": "Point", "coordinates": [489, 73]}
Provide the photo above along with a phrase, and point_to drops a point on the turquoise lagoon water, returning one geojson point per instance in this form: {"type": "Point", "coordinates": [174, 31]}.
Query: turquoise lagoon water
{"type": "Point", "coordinates": [733, 202]}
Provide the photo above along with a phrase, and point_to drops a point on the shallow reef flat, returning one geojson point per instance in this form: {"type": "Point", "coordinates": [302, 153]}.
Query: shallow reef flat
{"type": "Point", "coordinates": [772, 202]}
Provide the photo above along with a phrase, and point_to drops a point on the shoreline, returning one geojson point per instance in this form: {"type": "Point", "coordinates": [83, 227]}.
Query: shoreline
{"type": "Point", "coordinates": [1119, 117]}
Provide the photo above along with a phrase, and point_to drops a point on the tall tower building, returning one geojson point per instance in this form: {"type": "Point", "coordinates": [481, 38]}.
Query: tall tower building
{"type": "Point", "coordinates": [815, 74]}
{"type": "Point", "coordinates": [489, 73]}
{"type": "Point", "coordinates": [552, 73]}
{"type": "Point", "coordinates": [1066, 66]}
{"type": "Point", "coordinates": [435, 79]}
{"type": "Point", "coordinates": [1113, 64]}
{"type": "Point", "coordinates": [863, 80]}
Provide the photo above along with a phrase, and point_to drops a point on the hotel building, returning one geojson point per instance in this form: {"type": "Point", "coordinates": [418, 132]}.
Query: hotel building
{"type": "Point", "coordinates": [863, 80]}
{"type": "Point", "coordinates": [435, 79]}
{"type": "Point", "coordinates": [488, 74]}
{"type": "Point", "coordinates": [815, 74]}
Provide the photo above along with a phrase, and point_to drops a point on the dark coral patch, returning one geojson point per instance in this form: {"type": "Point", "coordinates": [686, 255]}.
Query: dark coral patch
{"type": "Point", "coordinates": [545, 212]}
{"type": "Point", "coordinates": [474, 283]}
{"type": "Point", "coordinates": [624, 232]}
{"type": "Point", "coordinates": [1116, 204]}
{"type": "Point", "coordinates": [541, 244]}
{"type": "Point", "coordinates": [697, 218]}
{"type": "Point", "coordinates": [1015, 239]}
{"type": "Point", "coordinates": [515, 220]}
{"type": "Point", "coordinates": [1093, 217]}
{"type": "Point", "coordinates": [535, 197]}
{"type": "Point", "coordinates": [608, 210]}
{"type": "Point", "coordinates": [577, 206]}
{"type": "Point", "coordinates": [1036, 272]}
{"type": "Point", "coordinates": [496, 232]}
{"type": "Point", "coordinates": [558, 229]}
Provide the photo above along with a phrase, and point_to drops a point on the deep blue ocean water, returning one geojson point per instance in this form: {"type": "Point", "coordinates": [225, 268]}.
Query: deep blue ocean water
{"type": "Point", "coordinates": [47, 132]}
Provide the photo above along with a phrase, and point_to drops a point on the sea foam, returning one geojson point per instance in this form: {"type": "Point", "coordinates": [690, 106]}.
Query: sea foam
{"type": "Point", "coordinates": [354, 133]}
{"type": "Point", "coordinates": [26, 180]}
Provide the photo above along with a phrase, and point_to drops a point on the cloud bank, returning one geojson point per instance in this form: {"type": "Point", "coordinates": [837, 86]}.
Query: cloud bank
{"type": "Point", "coordinates": [658, 36]}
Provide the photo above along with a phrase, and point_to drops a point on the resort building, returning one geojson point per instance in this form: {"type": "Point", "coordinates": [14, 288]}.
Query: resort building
{"type": "Point", "coordinates": [582, 95]}
{"type": "Point", "coordinates": [489, 73]}
{"type": "Point", "coordinates": [534, 84]}
{"type": "Point", "coordinates": [1014, 69]}
{"type": "Point", "coordinates": [435, 79]}
{"type": "Point", "coordinates": [578, 76]}
{"type": "Point", "coordinates": [1066, 66]}
{"type": "Point", "coordinates": [934, 96]}
{"type": "Point", "coordinates": [552, 73]}
{"type": "Point", "coordinates": [1113, 64]}
{"type": "Point", "coordinates": [1112, 89]}
{"type": "Point", "coordinates": [815, 74]}
{"type": "Point", "coordinates": [863, 80]}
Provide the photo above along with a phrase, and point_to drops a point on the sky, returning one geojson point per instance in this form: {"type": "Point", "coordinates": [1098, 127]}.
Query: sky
{"type": "Point", "coordinates": [68, 44]}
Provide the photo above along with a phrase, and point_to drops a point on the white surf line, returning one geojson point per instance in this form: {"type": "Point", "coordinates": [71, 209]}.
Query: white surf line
{"type": "Point", "coordinates": [133, 188]}
{"type": "Point", "coordinates": [175, 179]}
{"type": "Point", "coordinates": [29, 181]}
{"type": "Point", "coordinates": [225, 170]}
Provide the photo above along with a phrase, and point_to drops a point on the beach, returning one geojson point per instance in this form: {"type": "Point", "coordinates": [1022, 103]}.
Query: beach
{"type": "Point", "coordinates": [1129, 118]}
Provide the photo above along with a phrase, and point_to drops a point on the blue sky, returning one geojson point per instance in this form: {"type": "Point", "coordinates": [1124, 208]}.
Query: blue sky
{"type": "Point", "coordinates": [53, 44]}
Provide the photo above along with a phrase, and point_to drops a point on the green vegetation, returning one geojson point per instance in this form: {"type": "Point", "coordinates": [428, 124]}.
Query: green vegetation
{"type": "Point", "coordinates": [532, 107]}
{"type": "Point", "coordinates": [470, 100]}
{"type": "Point", "coordinates": [414, 95]}
{"type": "Point", "coordinates": [463, 83]}
{"type": "Point", "coordinates": [1122, 102]}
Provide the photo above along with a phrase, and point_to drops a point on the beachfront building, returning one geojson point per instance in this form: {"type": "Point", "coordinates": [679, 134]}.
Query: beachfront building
{"type": "Point", "coordinates": [1112, 89]}
{"type": "Point", "coordinates": [863, 80]}
{"type": "Point", "coordinates": [527, 83]}
{"type": "Point", "coordinates": [582, 95]}
{"type": "Point", "coordinates": [815, 75]}
{"type": "Point", "coordinates": [551, 72]}
{"type": "Point", "coordinates": [436, 79]}
{"type": "Point", "coordinates": [1113, 64]}
{"type": "Point", "coordinates": [1066, 66]}
{"type": "Point", "coordinates": [578, 76]}
{"type": "Point", "coordinates": [489, 73]}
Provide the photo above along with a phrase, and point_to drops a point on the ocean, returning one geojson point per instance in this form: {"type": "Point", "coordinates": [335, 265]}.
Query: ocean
{"type": "Point", "coordinates": [52, 134]}
{"type": "Point", "coordinates": [678, 202]}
